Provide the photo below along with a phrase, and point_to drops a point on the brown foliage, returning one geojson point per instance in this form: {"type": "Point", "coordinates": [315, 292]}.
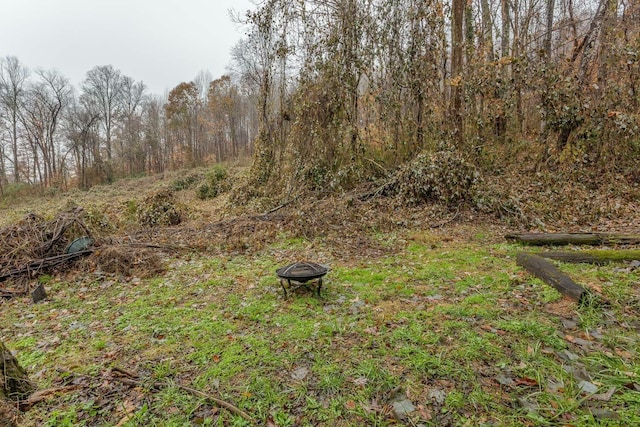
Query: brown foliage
{"type": "Point", "coordinates": [160, 209]}
{"type": "Point", "coordinates": [125, 261]}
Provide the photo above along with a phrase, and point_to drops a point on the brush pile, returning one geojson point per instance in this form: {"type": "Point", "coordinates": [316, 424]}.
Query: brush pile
{"type": "Point", "coordinates": [35, 246]}
{"type": "Point", "coordinates": [441, 177]}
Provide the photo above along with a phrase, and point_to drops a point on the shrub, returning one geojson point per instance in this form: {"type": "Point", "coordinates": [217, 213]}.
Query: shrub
{"type": "Point", "coordinates": [159, 209]}
{"type": "Point", "coordinates": [185, 182]}
{"type": "Point", "coordinates": [443, 177]}
{"type": "Point", "coordinates": [215, 184]}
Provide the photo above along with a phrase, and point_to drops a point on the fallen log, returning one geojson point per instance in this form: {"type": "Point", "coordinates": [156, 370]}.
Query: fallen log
{"type": "Point", "coordinates": [598, 257]}
{"type": "Point", "coordinates": [561, 239]}
{"type": "Point", "coordinates": [551, 275]}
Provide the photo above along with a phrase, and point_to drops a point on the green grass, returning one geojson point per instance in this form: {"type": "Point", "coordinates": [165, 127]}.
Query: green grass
{"type": "Point", "coordinates": [437, 317]}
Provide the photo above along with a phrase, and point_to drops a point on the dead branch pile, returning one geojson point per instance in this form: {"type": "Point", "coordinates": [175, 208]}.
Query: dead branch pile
{"type": "Point", "coordinates": [35, 238]}
{"type": "Point", "coordinates": [124, 261]}
{"type": "Point", "coordinates": [34, 246]}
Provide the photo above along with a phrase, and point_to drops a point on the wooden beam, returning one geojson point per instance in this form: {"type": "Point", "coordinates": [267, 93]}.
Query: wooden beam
{"type": "Point", "coordinates": [551, 275]}
{"type": "Point", "coordinates": [559, 239]}
{"type": "Point", "coordinates": [598, 257]}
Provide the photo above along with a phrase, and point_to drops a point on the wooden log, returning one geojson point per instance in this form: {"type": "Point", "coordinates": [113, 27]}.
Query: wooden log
{"type": "Point", "coordinates": [14, 383]}
{"type": "Point", "coordinates": [560, 239]}
{"type": "Point", "coordinates": [598, 257]}
{"type": "Point", "coordinates": [551, 275]}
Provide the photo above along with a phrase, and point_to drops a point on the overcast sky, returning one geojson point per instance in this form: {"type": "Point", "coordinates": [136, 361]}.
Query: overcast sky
{"type": "Point", "coordinates": [161, 42]}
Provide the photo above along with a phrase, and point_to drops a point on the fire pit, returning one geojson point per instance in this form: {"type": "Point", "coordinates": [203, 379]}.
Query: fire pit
{"type": "Point", "coordinates": [302, 274]}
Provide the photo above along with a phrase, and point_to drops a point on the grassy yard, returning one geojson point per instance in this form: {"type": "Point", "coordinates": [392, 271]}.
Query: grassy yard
{"type": "Point", "coordinates": [425, 330]}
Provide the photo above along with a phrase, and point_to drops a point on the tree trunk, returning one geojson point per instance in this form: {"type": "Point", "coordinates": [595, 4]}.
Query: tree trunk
{"type": "Point", "coordinates": [548, 38]}
{"type": "Point", "coordinates": [560, 239]}
{"type": "Point", "coordinates": [14, 386]}
{"type": "Point", "coordinates": [551, 275]}
{"type": "Point", "coordinates": [456, 68]}
{"type": "Point", "coordinates": [14, 383]}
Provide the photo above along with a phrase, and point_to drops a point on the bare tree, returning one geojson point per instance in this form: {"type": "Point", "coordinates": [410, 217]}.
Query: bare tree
{"type": "Point", "coordinates": [456, 68]}
{"type": "Point", "coordinates": [13, 76]}
{"type": "Point", "coordinates": [550, 9]}
{"type": "Point", "coordinates": [81, 129]}
{"type": "Point", "coordinates": [155, 142]}
{"type": "Point", "coordinates": [103, 87]}
{"type": "Point", "coordinates": [131, 104]}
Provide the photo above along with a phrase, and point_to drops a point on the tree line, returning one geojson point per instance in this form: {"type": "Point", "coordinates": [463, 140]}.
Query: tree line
{"type": "Point", "coordinates": [345, 85]}
{"type": "Point", "coordinates": [53, 134]}
{"type": "Point", "coordinates": [328, 92]}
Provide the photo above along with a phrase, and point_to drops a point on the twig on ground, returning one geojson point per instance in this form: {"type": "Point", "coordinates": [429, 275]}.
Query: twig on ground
{"type": "Point", "coordinates": [40, 395]}
{"type": "Point", "coordinates": [129, 378]}
{"type": "Point", "coordinates": [277, 208]}
{"type": "Point", "coordinates": [448, 221]}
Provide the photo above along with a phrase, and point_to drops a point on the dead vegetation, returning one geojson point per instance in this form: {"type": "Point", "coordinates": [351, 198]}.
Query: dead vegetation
{"type": "Point", "coordinates": [160, 209]}
{"type": "Point", "coordinates": [430, 192]}
{"type": "Point", "coordinates": [34, 247]}
{"type": "Point", "coordinates": [34, 237]}
{"type": "Point", "coordinates": [441, 177]}
{"type": "Point", "coordinates": [124, 261]}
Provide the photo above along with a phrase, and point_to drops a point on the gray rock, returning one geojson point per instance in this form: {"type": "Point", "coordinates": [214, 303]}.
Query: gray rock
{"type": "Point", "coordinates": [403, 408]}
{"type": "Point", "coordinates": [587, 387]}
{"type": "Point", "coordinates": [437, 396]}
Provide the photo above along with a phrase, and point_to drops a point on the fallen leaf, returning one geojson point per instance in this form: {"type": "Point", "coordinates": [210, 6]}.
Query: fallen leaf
{"type": "Point", "coordinates": [604, 414]}
{"type": "Point", "coordinates": [350, 405]}
{"type": "Point", "coordinates": [554, 385]}
{"type": "Point", "coordinates": [633, 386]}
{"type": "Point", "coordinates": [529, 382]}
{"type": "Point", "coordinates": [361, 381]}
{"type": "Point", "coordinates": [579, 373]}
{"type": "Point", "coordinates": [504, 380]}
{"type": "Point", "coordinates": [124, 420]}
{"type": "Point", "coordinates": [300, 373]}
{"type": "Point", "coordinates": [604, 397]}
{"type": "Point", "coordinates": [437, 395]}
{"type": "Point", "coordinates": [402, 408]}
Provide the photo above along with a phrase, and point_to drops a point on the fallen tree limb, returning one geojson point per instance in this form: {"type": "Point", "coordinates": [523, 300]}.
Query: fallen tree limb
{"type": "Point", "coordinates": [560, 239]}
{"type": "Point", "coordinates": [42, 395]}
{"type": "Point", "coordinates": [131, 379]}
{"type": "Point", "coordinates": [598, 257]}
{"type": "Point", "coordinates": [36, 266]}
{"type": "Point", "coordinates": [551, 275]}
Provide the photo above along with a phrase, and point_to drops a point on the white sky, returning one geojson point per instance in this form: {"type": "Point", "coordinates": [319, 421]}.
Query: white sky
{"type": "Point", "coordinates": [161, 42]}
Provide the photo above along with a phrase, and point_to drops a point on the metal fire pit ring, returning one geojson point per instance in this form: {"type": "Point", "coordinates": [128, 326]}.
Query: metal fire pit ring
{"type": "Point", "coordinates": [301, 273]}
